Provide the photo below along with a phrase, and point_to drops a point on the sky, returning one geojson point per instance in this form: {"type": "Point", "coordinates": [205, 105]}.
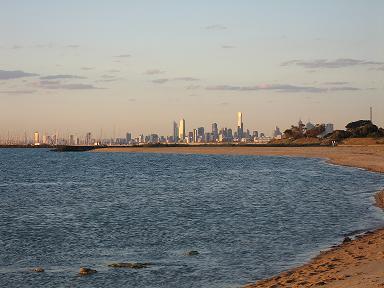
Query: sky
{"type": "Point", "coordinates": [120, 66]}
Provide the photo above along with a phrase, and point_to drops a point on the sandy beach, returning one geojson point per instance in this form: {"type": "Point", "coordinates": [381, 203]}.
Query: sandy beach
{"type": "Point", "coordinates": [355, 263]}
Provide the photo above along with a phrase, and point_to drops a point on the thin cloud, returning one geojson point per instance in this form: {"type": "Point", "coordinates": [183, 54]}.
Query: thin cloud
{"type": "Point", "coordinates": [78, 86]}
{"type": "Point", "coordinates": [344, 88]}
{"type": "Point", "coordinates": [49, 45]}
{"type": "Point", "coordinates": [331, 64]}
{"type": "Point", "coordinates": [7, 75]}
{"type": "Point", "coordinates": [72, 46]}
{"type": "Point", "coordinates": [17, 91]}
{"type": "Point", "coordinates": [228, 46]}
{"type": "Point", "coordinates": [216, 27]}
{"type": "Point", "coordinates": [188, 79]}
{"type": "Point", "coordinates": [106, 76]}
{"type": "Point", "coordinates": [336, 83]}
{"type": "Point", "coordinates": [192, 87]}
{"type": "Point", "coordinates": [66, 86]}
{"type": "Point", "coordinates": [286, 88]}
{"type": "Point", "coordinates": [49, 82]}
{"type": "Point", "coordinates": [160, 80]}
{"type": "Point", "coordinates": [154, 72]}
{"type": "Point", "coordinates": [123, 56]}
{"type": "Point", "coordinates": [185, 79]}
{"type": "Point", "coordinates": [113, 71]}
{"type": "Point", "coordinates": [64, 76]}
{"type": "Point", "coordinates": [87, 68]}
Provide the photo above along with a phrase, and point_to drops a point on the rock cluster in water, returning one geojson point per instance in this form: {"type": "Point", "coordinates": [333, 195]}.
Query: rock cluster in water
{"type": "Point", "coordinates": [86, 271]}
{"type": "Point", "coordinates": [192, 253]}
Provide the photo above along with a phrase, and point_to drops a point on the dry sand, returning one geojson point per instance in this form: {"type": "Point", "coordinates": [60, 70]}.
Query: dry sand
{"type": "Point", "coordinates": [358, 263]}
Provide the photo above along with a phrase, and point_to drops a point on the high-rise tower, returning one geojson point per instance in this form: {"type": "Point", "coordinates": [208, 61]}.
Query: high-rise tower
{"type": "Point", "coordinates": [36, 138]}
{"type": "Point", "coordinates": [182, 130]}
{"type": "Point", "coordinates": [175, 132]}
{"type": "Point", "coordinates": [215, 132]}
{"type": "Point", "coordinates": [240, 125]}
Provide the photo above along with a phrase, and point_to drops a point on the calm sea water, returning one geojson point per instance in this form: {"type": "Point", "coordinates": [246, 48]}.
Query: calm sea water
{"type": "Point", "coordinates": [249, 217]}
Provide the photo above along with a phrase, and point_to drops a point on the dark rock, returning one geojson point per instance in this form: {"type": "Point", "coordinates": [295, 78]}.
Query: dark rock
{"type": "Point", "coordinates": [86, 271]}
{"type": "Point", "coordinates": [130, 265]}
{"type": "Point", "coordinates": [192, 253]}
{"type": "Point", "coordinates": [347, 240]}
{"type": "Point", "coordinates": [38, 269]}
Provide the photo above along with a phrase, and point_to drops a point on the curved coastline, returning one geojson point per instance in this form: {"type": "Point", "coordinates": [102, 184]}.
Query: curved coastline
{"type": "Point", "coordinates": [357, 262]}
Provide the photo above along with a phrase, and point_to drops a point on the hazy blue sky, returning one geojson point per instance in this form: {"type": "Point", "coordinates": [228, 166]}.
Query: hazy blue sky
{"type": "Point", "coordinates": [138, 65]}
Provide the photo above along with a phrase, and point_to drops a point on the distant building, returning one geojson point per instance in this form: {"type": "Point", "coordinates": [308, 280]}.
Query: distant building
{"type": "Point", "coordinates": [128, 137]}
{"type": "Point", "coordinates": [189, 139]}
{"type": "Point", "coordinates": [71, 140]}
{"type": "Point", "coordinates": [88, 138]}
{"type": "Point", "coordinates": [208, 137]}
{"type": "Point", "coordinates": [215, 132]}
{"type": "Point", "coordinates": [240, 125]}
{"type": "Point", "coordinates": [36, 138]}
{"type": "Point", "coordinates": [328, 128]}
{"type": "Point", "coordinates": [195, 136]}
{"type": "Point", "coordinates": [175, 132]}
{"type": "Point", "coordinates": [277, 133]}
{"type": "Point", "coordinates": [229, 134]}
{"type": "Point", "coordinates": [200, 134]}
{"type": "Point", "coordinates": [153, 138]}
{"type": "Point", "coordinates": [309, 126]}
{"type": "Point", "coordinates": [182, 130]}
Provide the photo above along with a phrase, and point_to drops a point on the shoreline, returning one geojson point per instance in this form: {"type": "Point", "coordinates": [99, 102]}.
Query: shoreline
{"type": "Point", "coordinates": [357, 262]}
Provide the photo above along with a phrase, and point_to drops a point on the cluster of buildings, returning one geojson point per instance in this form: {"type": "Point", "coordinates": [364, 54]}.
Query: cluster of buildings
{"type": "Point", "coordinates": [215, 135]}
{"type": "Point", "coordinates": [180, 134]}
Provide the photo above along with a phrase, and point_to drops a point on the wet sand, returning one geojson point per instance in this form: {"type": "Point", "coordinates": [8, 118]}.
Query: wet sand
{"type": "Point", "coordinates": [356, 263]}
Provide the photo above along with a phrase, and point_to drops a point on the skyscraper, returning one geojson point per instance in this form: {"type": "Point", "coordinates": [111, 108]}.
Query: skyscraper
{"type": "Point", "coordinates": [128, 138]}
{"type": "Point", "coordinates": [175, 132]}
{"type": "Point", "coordinates": [240, 126]}
{"type": "Point", "coordinates": [182, 130]}
{"type": "Point", "coordinates": [200, 134]}
{"type": "Point", "coordinates": [195, 136]}
{"type": "Point", "coordinates": [36, 138]}
{"type": "Point", "coordinates": [215, 132]}
{"type": "Point", "coordinates": [88, 137]}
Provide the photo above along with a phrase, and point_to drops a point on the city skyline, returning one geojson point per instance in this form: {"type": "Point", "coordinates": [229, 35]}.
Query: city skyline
{"type": "Point", "coordinates": [64, 69]}
{"type": "Point", "coordinates": [180, 133]}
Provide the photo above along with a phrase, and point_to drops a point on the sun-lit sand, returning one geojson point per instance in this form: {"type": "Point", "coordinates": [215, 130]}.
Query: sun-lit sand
{"type": "Point", "coordinates": [359, 263]}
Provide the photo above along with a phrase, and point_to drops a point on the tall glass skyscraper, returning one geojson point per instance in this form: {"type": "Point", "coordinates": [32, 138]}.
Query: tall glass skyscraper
{"type": "Point", "coordinates": [182, 130]}
{"type": "Point", "coordinates": [240, 126]}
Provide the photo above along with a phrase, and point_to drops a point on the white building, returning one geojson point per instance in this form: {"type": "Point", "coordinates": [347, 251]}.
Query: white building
{"type": "Point", "coordinates": [36, 138]}
{"type": "Point", "coordinates": [182, 129]}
